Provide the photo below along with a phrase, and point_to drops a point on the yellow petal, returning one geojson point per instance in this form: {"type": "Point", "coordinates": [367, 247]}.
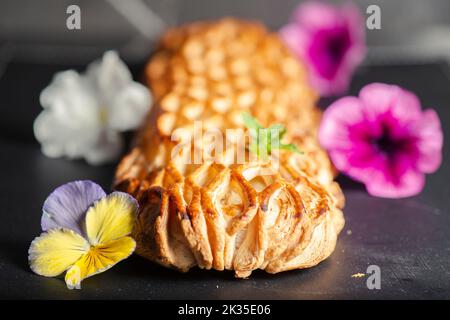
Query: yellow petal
{"type": "Point", "coordinates": [99, 258]}
{"type": "Point", "coordinates": [55, 251]}
{"type": "Point", "coordinates": [111, 218]}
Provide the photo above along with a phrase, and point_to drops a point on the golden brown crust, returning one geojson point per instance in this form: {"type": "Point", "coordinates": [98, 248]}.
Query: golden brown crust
{"type": "Point", "coordinates": [218, 214]}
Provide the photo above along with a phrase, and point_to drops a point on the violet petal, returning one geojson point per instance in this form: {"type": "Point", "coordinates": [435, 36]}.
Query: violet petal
{"type": "Point", "coordinates": [66, 206]}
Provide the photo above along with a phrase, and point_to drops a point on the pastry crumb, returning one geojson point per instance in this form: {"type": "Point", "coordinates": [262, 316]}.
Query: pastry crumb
{"type": "Point", "coordinates": [349, 232]}
{"type": "Point", "coordinates": [358, 275]}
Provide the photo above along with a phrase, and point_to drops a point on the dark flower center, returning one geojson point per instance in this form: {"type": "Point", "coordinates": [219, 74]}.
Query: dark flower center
{"type": "Point", "coordinates": [390, 146]}
{"type": "Point", "coordinates": [386, 145]}
{"type": "Point", "coordinates": [337, 46]}
{"type": "Point", "coordinates": [328, 50]}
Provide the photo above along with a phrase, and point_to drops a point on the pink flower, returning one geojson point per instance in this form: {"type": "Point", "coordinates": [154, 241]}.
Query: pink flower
{"type": "Point", "coordinates": [383, 139]}
{"type": "Point", "coordinates": [331, 42]}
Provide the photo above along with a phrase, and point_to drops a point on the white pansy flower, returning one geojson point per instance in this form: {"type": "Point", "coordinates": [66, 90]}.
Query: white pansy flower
{"type": "Point", "coordinates": [84, 113]}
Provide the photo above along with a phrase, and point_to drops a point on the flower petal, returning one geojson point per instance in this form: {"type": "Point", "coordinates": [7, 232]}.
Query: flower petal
{"type": "Point", "coordinates": [99, 259]}
{"type": "Point", "coordinates": [54, 252]}
{"type": "Point", "coordinates": [45, 127]}
{"type": "Point", "coordinates": [379, 99]}
{"type": "Point", "coordinates": [295, 38]}
{"type": "Point", "coordinates": [61, 138]}
{"type": "Point", "coordinates": [71, 97]}
{"type": "Point", "coordinates": [67, 205]}
{"type": "Point", "coordinates": [108, 76]}
{"type": "Point", "coordinates": [313, 15]}
{"type": "Point", "coordinates": [58, 139]}
{"type": "Point", "coordinates": [356, 162]}
{"type": "Point", "coordinates": [383, 176]}
{"type": "Point", "coordinates": [430, 141]}
{"type": "Point", "coordinates": [129, 107]}
{"type": "Point", "coordinates": [337, 120]}
{"type": "Point", "coordinates": [410, 183]}
{"type": "Point", "coordinates": [111, 218]}
{"type": "Point", "coordinates": [407, 106]}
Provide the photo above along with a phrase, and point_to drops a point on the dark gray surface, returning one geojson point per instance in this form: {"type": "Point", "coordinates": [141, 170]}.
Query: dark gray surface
{"type": "Point", "coordinates": [408, 239]}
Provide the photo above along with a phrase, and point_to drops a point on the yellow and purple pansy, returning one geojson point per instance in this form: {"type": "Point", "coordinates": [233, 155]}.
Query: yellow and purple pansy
{"type": "Point", "coordinates": [85, 232]}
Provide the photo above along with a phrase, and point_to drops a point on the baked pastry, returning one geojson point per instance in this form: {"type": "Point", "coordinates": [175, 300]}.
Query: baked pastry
{"type": "Point", "coordinates": [277, 213]}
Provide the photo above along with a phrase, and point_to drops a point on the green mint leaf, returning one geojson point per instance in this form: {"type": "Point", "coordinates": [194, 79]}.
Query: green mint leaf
{"type": "Point", "coordinates": [290, 147]}
{"type": "Point", "coordinates": [266, 139]}
{"type": "Point", "coordinates": [250, 122]}
{"type": "Point", "coordinates": [280, 128]}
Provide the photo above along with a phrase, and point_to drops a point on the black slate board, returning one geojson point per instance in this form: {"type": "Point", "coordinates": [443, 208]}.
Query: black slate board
{"type": "Point", "coordinates": [408, 239]}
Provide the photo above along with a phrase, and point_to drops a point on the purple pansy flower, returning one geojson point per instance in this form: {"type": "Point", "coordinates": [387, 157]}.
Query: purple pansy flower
{"type": "Point", "coordinates": [383, 139]}
{"type": "Point", "coordinates": [85, 232]}
{"type": "Point", "coordinates": [331, 42]}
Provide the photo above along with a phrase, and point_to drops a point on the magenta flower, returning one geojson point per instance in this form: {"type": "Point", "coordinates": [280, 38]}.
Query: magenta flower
{"type": "Point", "coordinates": [331, 42]}
{"type": "Point", "coordinates": [383, 139]}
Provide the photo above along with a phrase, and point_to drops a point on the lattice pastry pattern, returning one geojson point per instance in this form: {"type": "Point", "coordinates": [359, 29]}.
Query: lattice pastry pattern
{"type": "Point", "coordinates": [216, 214]}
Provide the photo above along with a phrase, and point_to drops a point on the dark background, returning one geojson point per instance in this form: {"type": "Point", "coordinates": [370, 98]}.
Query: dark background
{"type": "Point", "coordinates": [35, 30]}
{"type": "Point", "coordinates": [408, 239]}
